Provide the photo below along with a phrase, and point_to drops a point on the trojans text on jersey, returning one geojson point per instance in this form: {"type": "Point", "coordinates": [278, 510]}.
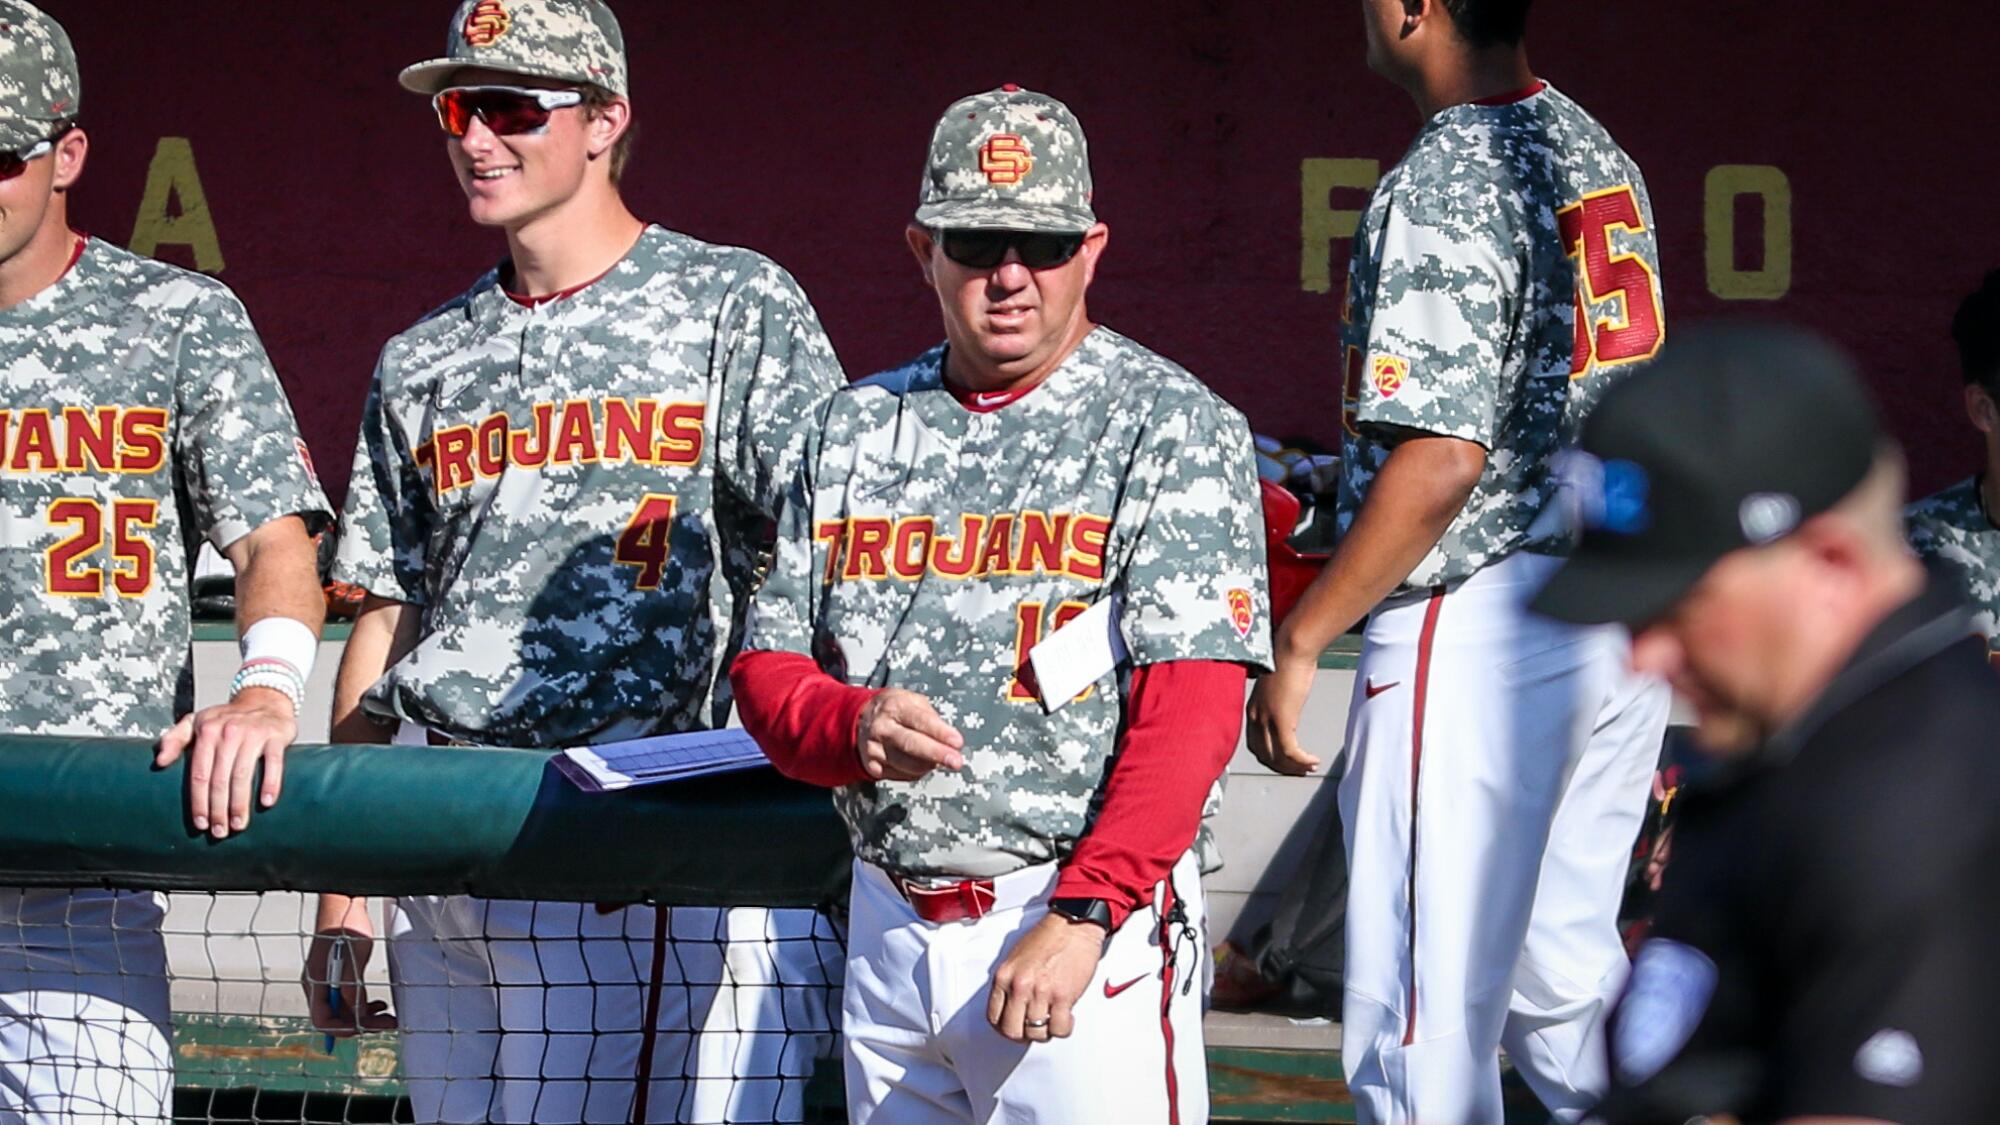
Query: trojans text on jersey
{"type": "Point", "coordinates": [83, 439]}
{"type": "Point", "coordinates": [985, 546]}
{"type": "Point", "coordinates": [579, 431]}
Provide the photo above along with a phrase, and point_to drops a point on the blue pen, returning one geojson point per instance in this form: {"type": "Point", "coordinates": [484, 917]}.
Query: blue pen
{"type": "Point", "coordinates": [335, 964]}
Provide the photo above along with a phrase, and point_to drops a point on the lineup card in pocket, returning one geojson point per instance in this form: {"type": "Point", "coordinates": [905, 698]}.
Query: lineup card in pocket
{"type": "Point", "coordinates": [612, 766]}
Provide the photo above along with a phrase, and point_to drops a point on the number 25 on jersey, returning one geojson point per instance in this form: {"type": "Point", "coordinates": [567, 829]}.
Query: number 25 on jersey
{"type": "Point", "coordinates": [1633, 329]}
{"type": "Point", "coordinates": [73, 566]}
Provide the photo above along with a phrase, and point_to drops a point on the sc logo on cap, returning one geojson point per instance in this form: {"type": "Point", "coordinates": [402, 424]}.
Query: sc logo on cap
{"type": "Point", "coordinates": [1005, 159]}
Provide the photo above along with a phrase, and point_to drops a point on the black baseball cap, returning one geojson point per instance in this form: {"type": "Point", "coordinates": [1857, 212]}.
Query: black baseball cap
{"type": "Point", "coordinates": [1735, 436]}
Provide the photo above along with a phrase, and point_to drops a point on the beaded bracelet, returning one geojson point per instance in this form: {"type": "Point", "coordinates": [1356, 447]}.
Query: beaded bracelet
{"type": "Point", "coordinates": [270, 672]}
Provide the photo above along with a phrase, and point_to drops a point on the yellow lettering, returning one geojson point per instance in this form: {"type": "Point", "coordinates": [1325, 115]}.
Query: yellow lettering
{"type": "Point", "coordinates": [1772, 278]}
{"type": "Point", "coordinates": [1320, 223]}
{"type": "Point", "coordinates": [173, 178]}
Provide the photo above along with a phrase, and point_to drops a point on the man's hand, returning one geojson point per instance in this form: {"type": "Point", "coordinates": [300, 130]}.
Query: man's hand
{"type": "Point", "coordinates": [1042, 979]}
{"type": "Point", "coordinates": [1272, 719]}
{"type": "Point", "coordinates": [901, 737]}
{"type": "Point", "coordinates": [357, 1013]}
{"type": "Point", "coordinates": [228, 741]}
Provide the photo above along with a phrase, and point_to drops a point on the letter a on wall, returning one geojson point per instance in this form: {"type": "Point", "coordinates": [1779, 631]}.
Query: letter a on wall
{"type": "Point", "coordinates": [172, 181]}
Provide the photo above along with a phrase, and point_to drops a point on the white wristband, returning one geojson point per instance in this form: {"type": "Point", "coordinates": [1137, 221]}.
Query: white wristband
{"type": "Point", "coordinates": [282, 638]}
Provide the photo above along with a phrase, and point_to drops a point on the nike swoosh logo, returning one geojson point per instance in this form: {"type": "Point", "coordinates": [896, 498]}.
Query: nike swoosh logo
{"type": "Point", "coordinates": [1112, 990]}
{"type": "Point", "coordinates": [1374, 691]}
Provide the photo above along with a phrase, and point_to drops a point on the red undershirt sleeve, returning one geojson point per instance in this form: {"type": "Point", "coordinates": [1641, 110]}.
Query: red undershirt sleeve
{"type": "Point", "coordinates": [1183, 718]}
{"type": "Point", "coordinates": [803, 719]}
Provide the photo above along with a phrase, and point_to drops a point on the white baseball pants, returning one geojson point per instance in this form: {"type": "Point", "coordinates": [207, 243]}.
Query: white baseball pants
{"type": "Point", "coordinates": [920, 1052]}
{"type": "Point", "coordinates": [516, 1011]}
{"type": "Point", "coordinates": [85, 1023]}
{"type": "Point", "coordinates": [1497, 771]}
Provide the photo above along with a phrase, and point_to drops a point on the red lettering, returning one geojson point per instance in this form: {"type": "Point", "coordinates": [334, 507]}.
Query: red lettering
{"type": "Point", "coordinates": [680, 434]}
{"type": "Point", "coordinates": [142, 440]}
{"type": "Point", "coordinates": [454, 458]}
{"type": "Point", "coordinates": [1041, 543]}
{"type": "Point", "coordinates": [1638, 329]}
{"type": "Point", "coordinates": [576, 435]}
{"type": "Point", "coordinates": [492, 446]}
{"type": "Point", "coordinates": [833, 533]}
{"type": "Point", "coordinates": [1087, 536]}
{"type": "Point", "coordinates": [913, 547]}
{"type": "Point", "coordinates": [629, 435]}
{"type": "Point", "coordinates": [90, 438]}
{"type": "Point", "coordinates": [35, 442]}
{"type": "Point", "coordinates": [959, 563]}
{"type": "Point", "coordinates": [993, 558]}
{"type": "Point", "coordinates": [867, 543]}
{"type": "Point", "coordinates": [534, 456]}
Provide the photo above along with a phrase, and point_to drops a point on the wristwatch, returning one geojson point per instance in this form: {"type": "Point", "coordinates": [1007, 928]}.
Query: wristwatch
{"type": "Point", "coordinates": [1083, 910]}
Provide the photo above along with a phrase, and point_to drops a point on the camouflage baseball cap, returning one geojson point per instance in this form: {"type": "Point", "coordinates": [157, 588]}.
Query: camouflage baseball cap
{"type": "Point", "coordinates": [567, 40]}
{"type": "Point", "coordinates": [1008, 159]}
{"type": "Point", "coordinates": [38, 82]}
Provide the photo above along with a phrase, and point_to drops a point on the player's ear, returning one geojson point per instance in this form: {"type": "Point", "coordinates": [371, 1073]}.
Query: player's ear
{"type": "Point", "coordinates": [1979, 407]}
{"type": "Point", "coordinates": [607, 124]}
{"type": "Point", "coordinates": [71, 151]}
{"type": "Point", "coordinates": [923, 246]}
{"type": "Point", "coordinates": [1415, 12]}
{"type": "Point", "coordinates": [1094, 242]}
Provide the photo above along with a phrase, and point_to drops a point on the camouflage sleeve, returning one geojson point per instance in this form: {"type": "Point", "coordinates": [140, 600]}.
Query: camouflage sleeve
{"type": "Point", "coordinates": [242, 462]}
{"type": "Point", "coordinates": [781, 616]}
{"type": "Point", "coordinates": [776, 367]}
{"type": "Point", "coordinates": [1193, 579]}
{"type": "Point", "coordinates": [1439, 322]}
{"type": "Point", "coordinates": [385, 526]}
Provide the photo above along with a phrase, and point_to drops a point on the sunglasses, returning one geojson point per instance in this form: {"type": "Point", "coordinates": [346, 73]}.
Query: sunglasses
{"type": "Point", "coordinates": [985, 249]}
{"type": "Point", "coordinates": [14, 163]}
{"type": "Point", "coordinates": [506, 110]}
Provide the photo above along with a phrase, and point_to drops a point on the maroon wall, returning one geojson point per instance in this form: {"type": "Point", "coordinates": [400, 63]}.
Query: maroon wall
{"type": "Point", "coordinates": [798, 128]}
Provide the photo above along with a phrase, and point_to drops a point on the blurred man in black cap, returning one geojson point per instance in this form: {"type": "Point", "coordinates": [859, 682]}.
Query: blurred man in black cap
{"type": "Point", "coordinates": [1821, 952]}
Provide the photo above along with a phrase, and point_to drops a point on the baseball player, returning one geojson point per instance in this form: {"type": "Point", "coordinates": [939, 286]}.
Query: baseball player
{"type": "Point", "coordinates": [1016, 589]}
{"type": "Point", "coordinates": [1497, 765]}
{"type": "Point", "coordinates": [561, 497]}
{"type": "Point", "coordinates": [138, 417]}
{"type": "Point", "coordinates": [1953, 530]}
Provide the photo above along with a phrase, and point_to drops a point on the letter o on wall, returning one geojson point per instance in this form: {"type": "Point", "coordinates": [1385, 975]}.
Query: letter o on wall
{"type": "Point", "coordinates": [1772, 277]}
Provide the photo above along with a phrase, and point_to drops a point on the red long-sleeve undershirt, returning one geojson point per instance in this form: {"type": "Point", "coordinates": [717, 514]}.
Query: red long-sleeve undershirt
{"type": "Point", "coordinates": [1182, 721]}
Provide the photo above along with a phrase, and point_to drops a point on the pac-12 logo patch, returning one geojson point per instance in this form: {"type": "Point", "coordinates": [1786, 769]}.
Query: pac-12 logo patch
{"type": "Point", "coordinates": [488, 20]}
{"type": "Point", "coordinates": [1242, 611]}
{"type": "Point", "coordinates": [1006, 159]}
{"type": "Point", "coordinates": [1389, 374]}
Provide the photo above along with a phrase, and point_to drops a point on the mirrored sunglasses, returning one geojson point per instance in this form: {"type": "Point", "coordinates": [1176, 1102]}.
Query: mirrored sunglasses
{"type": "Point", "coordinates": [506, 110]}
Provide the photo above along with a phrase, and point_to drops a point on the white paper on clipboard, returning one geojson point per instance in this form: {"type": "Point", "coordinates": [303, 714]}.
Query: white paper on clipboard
{"type": "Point", "coordinates": [1076, 655]}
{"type": "Point", "coordinates": [611, 766]}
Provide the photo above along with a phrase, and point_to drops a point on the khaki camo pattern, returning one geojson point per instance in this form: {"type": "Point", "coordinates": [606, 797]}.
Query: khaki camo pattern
{"type": "Point", "coordinates": [567, 40]}
{"type": "Point", "coordinates": [1460, 317]}
{"type": "Point", "coordinates": [138, 416]}
{"type": "Point", "coordinates": [925, 547]}
{"type": "Point", "coordinates": [576, 496]}
{"type": "Point", "coordinates": [1008, 159]}
{"type": "Point", "coordinates": [38, 80]}
{"type": "Point", "coordinates": [1950, 530]}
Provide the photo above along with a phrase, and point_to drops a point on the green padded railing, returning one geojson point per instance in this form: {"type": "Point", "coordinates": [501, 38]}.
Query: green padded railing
{"type": "Point", "coordinates": [384, 820]}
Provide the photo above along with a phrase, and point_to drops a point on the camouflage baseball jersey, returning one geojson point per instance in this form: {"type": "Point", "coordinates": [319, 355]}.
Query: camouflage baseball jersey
{"type": "Point", "coordinates": [138, 415]}
{"type": "Point", "coordinates": [1504, 274]}
{"type": "Point", "coordinates": [928, 547]}
{"type": "Point", "coordinates": [1951, 531]}
{"type": "Point", "coordinates": [575, 495]}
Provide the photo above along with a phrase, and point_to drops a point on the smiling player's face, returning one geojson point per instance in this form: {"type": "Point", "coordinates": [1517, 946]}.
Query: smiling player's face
{"type": "Point", "coordinates": [511, 180]}
{"type": "Point", "coordinates": [1009, 321]}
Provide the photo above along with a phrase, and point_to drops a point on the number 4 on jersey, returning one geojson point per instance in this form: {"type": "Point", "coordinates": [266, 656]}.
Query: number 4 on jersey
{"type": "Point", "coordinates": [647, 540]}
{"type": "Point", "coordinates": [1634, 332]}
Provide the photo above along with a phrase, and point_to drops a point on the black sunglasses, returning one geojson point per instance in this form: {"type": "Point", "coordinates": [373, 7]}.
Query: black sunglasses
{"type": "Point", "coordinates": [985, 249]}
